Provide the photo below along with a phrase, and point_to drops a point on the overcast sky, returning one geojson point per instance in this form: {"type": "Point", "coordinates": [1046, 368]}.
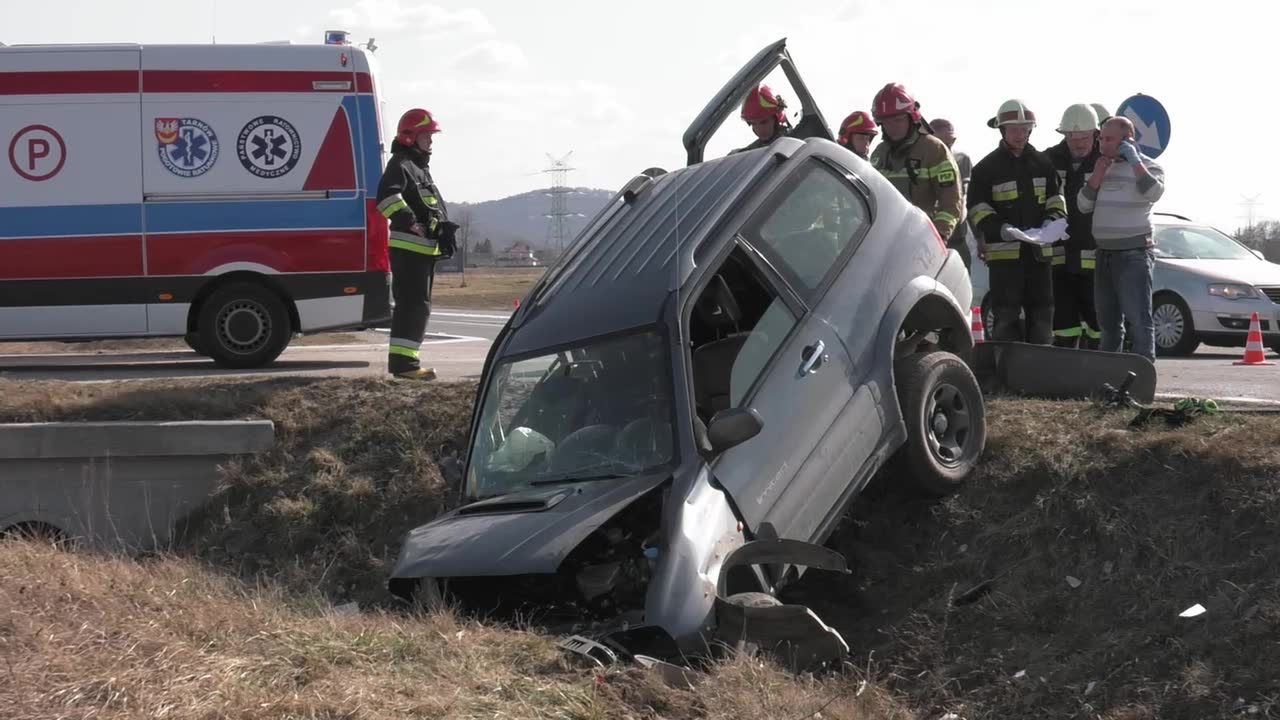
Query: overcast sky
{"type": "Point", "coordinates": [512, 81]}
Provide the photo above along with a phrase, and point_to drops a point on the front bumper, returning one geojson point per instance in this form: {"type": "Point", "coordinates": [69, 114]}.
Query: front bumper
{"type": "Point", "coordinates": [1222, 320]}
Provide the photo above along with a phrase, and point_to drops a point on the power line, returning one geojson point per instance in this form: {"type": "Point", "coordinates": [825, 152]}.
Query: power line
{"type": "Point", "coordinates": [1250, 204]}
{"type": "Point", "coordinates": [558, 216]}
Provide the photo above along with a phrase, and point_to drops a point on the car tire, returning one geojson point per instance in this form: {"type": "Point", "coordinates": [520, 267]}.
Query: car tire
{"type": "Point", "coordinates": [943, 408]}
{"type": "Point", "coordinates": [193, 341]}
{"type": "Point", "coordinates": [243, 325]}
{"type": "Point", "coordinates": [1178, 337]}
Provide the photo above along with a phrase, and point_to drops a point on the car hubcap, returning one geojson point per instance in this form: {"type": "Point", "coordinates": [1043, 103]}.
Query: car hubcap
{"type": "Point", "coordinates": [244, 326]}
{"type": "Point", "coordinates": [1169, 324]}
{"type": "Point", "coordinates": [949, 423]}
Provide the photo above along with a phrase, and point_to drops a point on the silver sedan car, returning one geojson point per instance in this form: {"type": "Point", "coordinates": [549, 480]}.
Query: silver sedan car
{"type": "Point", "coordinates": [1205, 288]}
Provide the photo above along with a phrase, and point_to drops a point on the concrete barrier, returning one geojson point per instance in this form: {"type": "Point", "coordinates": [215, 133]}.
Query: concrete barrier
{"type": "Point", "coordinates": [117, 485]}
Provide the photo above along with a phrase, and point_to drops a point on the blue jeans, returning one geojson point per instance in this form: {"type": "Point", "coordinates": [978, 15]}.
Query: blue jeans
{"type": "Point", "coordinates": [1122, 294]}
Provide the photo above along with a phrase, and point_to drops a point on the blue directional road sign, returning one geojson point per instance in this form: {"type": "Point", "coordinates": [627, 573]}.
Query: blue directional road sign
{"type": "Point", "coordinates": [1150, 123]}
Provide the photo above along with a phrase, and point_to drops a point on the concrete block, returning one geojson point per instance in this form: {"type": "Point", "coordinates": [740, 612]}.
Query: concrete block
{"type": "Point", "coordinates": [134, 439]}
{"type": "Point", "coordinates": [118, 486]}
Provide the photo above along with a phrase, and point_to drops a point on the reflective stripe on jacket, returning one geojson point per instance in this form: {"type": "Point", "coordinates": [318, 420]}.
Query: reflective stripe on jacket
{"type": "Point", "coordinates": [925, 172]}
{"type": "Point", "coordinates": [408, 195]}
{"type": "Point", "coordinates": [1021, 191]}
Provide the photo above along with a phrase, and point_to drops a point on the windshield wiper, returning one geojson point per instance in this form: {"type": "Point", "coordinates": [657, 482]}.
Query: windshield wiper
{"type": "Point", "coordinates": [579, 478]}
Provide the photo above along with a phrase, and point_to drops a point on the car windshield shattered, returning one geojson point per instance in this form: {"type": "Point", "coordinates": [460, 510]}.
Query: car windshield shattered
{"type": "Point", "coordinates": [596, 412]}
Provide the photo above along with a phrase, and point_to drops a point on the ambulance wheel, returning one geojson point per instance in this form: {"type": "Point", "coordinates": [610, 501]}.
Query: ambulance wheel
{"type": "Point", "coordinates": [193, 341]}
{"type": "Point", "coordinates": [943, 409]}
{"type": "Point", "coordinates": [243, 325]}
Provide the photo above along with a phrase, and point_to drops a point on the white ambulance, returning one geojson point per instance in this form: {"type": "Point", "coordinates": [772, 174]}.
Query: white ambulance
{"type": "Point", "coordinates": [222, 193]}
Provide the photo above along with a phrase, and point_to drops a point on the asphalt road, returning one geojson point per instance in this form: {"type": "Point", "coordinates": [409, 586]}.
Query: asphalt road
{"type": "Point", "coordinates": [458, 340]}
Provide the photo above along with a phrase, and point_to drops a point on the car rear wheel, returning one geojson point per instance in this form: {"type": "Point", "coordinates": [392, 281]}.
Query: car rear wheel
{"type": "Point", "coordinates": [1175, 333]}
{"type": "Point", "coordinates": [243, 325]}
{"type": "Point", "coordinates": [943, 408]}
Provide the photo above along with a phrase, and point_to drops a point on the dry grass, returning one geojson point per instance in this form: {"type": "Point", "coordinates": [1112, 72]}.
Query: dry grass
{"type": "Point", "coordinates": [94, 637]}
{"type": "Point", "coordinates": [354, 468]}
{"type": "Point", "coordinates": [487, 288]}
{"type": "Point", "coordinates": [1148, 522]}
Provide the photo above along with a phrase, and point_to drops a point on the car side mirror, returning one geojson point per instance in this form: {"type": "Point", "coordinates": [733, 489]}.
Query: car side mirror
{"type": "Point", "coordinates": [730, 428]}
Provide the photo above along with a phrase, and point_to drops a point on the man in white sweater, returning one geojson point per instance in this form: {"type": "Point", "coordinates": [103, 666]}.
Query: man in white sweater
{"type": "Point", "coordinates": [1120, 194]}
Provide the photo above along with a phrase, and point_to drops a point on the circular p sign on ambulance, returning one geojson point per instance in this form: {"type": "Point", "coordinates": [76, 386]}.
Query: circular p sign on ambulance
{"type": "Point", "coordinates": [37, 152]}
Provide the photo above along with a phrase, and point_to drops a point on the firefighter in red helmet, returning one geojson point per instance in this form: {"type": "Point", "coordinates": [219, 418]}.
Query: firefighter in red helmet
{"type": "Point", "coordinates": [857, 132]}
{"type": "Point", "coordinates": [420, 234]}
{"type": "Point", "coordinates": [917, 163]}
{"type": "Point", "coordinates": [766, 113]}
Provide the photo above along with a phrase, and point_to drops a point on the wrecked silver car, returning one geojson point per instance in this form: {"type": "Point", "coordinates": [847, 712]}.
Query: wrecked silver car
{"type": "Point", "coordinates": [679, 413]}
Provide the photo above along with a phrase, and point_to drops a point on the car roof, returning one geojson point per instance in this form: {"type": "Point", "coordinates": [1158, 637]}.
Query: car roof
{"type": "Point", "coordinates": [1167, 218]}
{"type": "Point", "coordinates": [619, 271]}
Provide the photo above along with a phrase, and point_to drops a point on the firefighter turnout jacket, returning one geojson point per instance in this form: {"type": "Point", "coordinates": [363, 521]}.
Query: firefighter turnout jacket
{"type": "Point", "coordinates": [1021, 191]}
{"type": "Point", "coordinates": [1073, 173]}
{"type": "Point", "coordinates": [925, 172]}
{"type": "Point", "coordinates": [408, 197]}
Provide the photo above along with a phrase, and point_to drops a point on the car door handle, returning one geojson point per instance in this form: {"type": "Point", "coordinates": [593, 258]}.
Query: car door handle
{"type": "Point", "coordinates": [813, 358]}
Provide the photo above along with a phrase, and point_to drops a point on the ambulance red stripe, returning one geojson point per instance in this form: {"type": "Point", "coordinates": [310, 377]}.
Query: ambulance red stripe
{"type": "Point", "coordinates": [290, 251]}
{"type": "Point", "coordinates": [107, 82]}
{"type": "Point", "coordinates": [37, 258]}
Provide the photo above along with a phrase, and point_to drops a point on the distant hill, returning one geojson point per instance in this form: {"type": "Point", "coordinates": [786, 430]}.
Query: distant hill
{"type": "Point", "coordinates": [523, 217]}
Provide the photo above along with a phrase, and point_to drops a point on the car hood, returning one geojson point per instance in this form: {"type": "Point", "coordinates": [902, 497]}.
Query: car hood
{"type": "Point", "coordinates": [1248, 272]}
{"type": "Point", "coordinates": [528, 532]}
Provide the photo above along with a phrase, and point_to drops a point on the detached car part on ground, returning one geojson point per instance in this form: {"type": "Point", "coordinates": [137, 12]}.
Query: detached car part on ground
{"type": "Point", "coordinates": [679, 413]}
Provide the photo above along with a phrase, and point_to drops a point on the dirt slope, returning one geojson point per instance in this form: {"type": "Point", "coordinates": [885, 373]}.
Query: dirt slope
{"type": "Point", "coordinates": [1050, 587]}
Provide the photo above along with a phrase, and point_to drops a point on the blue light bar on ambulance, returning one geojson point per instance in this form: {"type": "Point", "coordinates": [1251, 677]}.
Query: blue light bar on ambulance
{"type": "Point", "coordinates": [336, 37]}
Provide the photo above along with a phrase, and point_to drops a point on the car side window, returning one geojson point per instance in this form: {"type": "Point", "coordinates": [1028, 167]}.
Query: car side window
{"type": "Point", "coordinates": [807, 229]}
{"type": "Point", "coordinates": [765, 340]}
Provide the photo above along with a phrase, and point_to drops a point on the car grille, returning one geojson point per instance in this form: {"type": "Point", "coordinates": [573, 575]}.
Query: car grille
{"type": "Point", "coordinates": [1273, 293]}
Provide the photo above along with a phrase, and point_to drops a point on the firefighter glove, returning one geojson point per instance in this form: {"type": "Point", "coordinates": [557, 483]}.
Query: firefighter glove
{"type": "Point", "coordinates": [448, 238]}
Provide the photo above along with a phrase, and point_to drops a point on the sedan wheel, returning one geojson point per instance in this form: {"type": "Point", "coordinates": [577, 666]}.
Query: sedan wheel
{"type": "Point", "coordinates": [1175, 334]}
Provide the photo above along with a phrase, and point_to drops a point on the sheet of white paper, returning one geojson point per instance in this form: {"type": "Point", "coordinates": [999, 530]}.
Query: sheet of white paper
{"type": "Point", "coordinates": [1047, 235]}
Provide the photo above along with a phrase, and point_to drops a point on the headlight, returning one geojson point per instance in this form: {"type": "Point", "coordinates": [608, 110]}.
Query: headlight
{"type": "Point", "coordinates": [1232, 292]}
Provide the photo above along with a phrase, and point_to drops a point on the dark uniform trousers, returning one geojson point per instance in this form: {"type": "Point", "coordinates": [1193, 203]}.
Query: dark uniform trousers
{"type": "Point", "coordinates": [412, 275]}
{"type": "Point", "coordinates": [1075, 324]}
{"type": "Point", "coordinates": [1025, 285]}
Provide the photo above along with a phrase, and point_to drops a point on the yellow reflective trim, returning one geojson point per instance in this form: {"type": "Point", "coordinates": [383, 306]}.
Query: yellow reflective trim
{"type": "Point", "coordinates": [944, 216]}
{"type": "Point", "coordinates": [1005, 195]}
{"type": "Point", "coordinates": [413, 247]}
{"type": "Point", "coordinates": [431, 200]}
{"type": "Point", "coordinates": [980, 215]}
{"type": "Point", "coordinates": [1069, 332]}
{"type": "Point", "coordinates": [404, 351]}
{"type": "Point", "coordinates": [393, 208]}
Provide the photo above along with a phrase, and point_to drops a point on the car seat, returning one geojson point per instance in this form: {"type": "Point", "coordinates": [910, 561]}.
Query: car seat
{"type": "Point", "coordinates": [713, 362]}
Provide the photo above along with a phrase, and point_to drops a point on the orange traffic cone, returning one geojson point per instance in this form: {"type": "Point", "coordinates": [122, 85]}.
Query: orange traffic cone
{"type": "Point", "coordinates": [1253, 352]}
{"type": "Point", "coordinates": [976, 329]}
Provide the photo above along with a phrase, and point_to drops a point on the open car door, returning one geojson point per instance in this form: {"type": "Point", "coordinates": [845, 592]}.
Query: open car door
{"type": "Point", "coordinates": [730, 97]}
